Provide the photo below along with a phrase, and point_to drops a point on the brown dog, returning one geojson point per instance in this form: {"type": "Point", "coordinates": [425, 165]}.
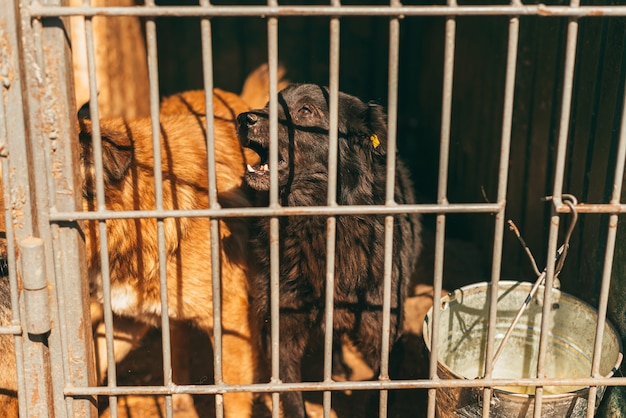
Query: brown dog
{"type": "Point", "coordinates": [132, 243]}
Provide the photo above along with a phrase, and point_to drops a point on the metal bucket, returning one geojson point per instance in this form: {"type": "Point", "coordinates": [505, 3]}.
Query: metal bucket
{"type": "Point", "coordinates": [463, 338]}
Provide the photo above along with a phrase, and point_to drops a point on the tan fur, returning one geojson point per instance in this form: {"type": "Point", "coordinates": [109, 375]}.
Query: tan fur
{"type": "Point", "coordinates": [255, 94]}
{"type": "Point", "coordinates": [133, 244]}
{"type": "Point", "coordinates": [8, 372]}
{"type": "Point", "coordinates": [8, 376]}
{"type": "Point", "coordinates": [153, 406]}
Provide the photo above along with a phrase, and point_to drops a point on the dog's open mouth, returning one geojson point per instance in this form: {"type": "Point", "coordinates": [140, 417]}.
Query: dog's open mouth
{"type": "Point", "coordinates": [263, 167]}
{"type": "Point", "coordinates": [258, 175]}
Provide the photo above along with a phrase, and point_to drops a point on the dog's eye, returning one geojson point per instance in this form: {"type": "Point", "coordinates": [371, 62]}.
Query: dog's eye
{"type": "Point", "coordinates": [305, 110]}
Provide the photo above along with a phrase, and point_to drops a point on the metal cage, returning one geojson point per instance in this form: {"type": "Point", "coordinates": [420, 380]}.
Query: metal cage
{"type": "Point", "coordinates": [50, 303]}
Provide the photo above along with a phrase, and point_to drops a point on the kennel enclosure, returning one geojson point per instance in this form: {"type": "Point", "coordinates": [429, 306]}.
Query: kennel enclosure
{"type": "Point", "coordinates": [495, 105]}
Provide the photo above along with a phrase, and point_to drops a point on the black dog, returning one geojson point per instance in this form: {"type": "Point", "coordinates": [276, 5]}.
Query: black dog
{"type": "Point", "coordinates": [359, 264]}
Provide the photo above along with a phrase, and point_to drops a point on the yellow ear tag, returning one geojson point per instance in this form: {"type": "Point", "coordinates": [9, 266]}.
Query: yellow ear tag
{"type": "Point", "coordinates": [375, 140]}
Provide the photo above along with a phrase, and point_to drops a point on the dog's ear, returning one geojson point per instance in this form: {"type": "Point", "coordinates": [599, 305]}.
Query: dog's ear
{"type": "Point", "coordinates": [376, 122]}
{"type": "Point", "coordinates": [84, 113]}
{"type": "Point", "coordinates": [117, 149]}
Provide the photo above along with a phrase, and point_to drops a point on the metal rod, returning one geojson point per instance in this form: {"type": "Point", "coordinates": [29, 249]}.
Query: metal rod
{"type": "Point", "coordinates": [207, 74]}
{"type": "Point", "coordinates": [496, 265]}
{"type": "Point", "coordinates": [153, 79]}
{"type": "Point", "coordinates": [15, 328]}
{"type": "Point", "coordinates": [272, 52]}
{"type": "Point", "coordinates": [342, 386]}
{"type": "Point", "coordinates": [96, 141]}
{"type": "Point", "coordinates": [440, 229]}
{"type": "Point", "coordinates": [281, 211]}
{"type": "Point", "coordinates": [38, 10]}
{"type": "Point", "coordinates": [566, 104]}
{"type": "Point", "coordinates": [392, 119]}
{"type": "Point", "coordinates": [608, 261]}
{"type": "Point", "coordinates": [331, 223]}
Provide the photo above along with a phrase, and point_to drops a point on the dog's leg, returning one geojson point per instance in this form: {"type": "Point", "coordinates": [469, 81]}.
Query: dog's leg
{"type": "Point", "coordinates": [239, 350]}
{"type": "Point", "coordinates": [293, 340]}
{"type": "Point", "coordinates": [127, 333]}
{"type": "Point", "coordinates": [239, 367]}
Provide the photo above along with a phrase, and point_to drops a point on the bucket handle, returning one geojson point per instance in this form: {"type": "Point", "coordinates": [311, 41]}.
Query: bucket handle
{"type": "Point", "coordinates": [561, 253]}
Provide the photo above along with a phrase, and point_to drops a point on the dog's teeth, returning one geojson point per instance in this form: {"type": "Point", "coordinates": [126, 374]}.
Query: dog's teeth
{"type": "Point", "coordinates": [250, 169]}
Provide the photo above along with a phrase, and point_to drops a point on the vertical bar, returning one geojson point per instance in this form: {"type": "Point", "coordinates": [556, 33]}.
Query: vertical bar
{"type": "Point", "coordinates": [153, 76]}
{"type": "Point", "coordinates": [19, 92]}
{"type": "Point", "coordinates": [331, 223]}
{"type": "Point", "coordinates": [272, 52]}
{"type": "Point", "coordinates": [392, 118]}
{"type": "Point", "coordinates": [507, 120]}
{"type": "Point", "coordinates": [72, 290]}
{"type": "Point", "coordinates": [547, 306]}
{"type": "Point", "coordinates": [566, 104]}
{"type": "Point", "coordinates": [608, 263]}
{"type": "Point", "coordinates": [96, 140]}
{"type": "Point", "coordinates": [52, 125]}
{"type": "Point", "coordinates": [207, 72]}
{"type": "Point", "coordinates": [440, 229]}
{"type": "Point", "coordinates": [9, 61]}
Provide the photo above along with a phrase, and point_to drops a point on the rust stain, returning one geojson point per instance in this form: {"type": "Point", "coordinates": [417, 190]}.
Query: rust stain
{"type": "Point", "coordinates": [18, 201]}
{"type": "Point", "coordinates": [6, 73]}
{"type": "Point", "coordinates": [81, 330]}
{"type": "Point", "coordinates": [35, 396]}
{"type": "Point", "coordinates": [593, 208]}
{"type": "Point", "coordinates": [542, 10]}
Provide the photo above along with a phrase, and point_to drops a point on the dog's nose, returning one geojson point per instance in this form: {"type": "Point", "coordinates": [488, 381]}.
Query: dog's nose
{"type": "Point", "coordinates": [247, 119]}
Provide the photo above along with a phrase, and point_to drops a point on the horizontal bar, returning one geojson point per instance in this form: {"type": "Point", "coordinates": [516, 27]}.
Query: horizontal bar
{"type": "Point", "coordinates": [592, 208]}
{"type": "Point", "coordinates": [341, 386]}
{"type": "Point", "coordinates": [11, 330]}
{"type": "Point", "coordinates": [38, 10]}
{"type": "Point", "coordinates": [280, 211]}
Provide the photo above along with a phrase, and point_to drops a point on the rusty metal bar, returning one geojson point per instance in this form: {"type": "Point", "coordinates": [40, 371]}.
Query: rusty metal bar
{"type": "Point", "coordinates": [442, 199]}
{"type": "Point", "coordinates": [153, 76]}
{"type": "Point", "coordinates": [272, 57]}
{"type": "Point", "coordinates": [322, 210]}
{"type": "Point", "coordinates": [281, 211]}
{"type": "Point", "coordinates": [566, 104]}
{"type": "Point", "coordinates": [392, 119]}
{"type": "Point", "coordinates": [273, 10]}
{"type": "Point", "coordinates": [48, 115]}
{"type": "Point", "coordinates": [342, 386]}
{"type": "Point", "coordinates": [10, 77]}
{"type": "Point", "coordinates": [608, 262]}
{"type": "Point", "coordinates": [105, 277]}
{"type": "Point", "coordinates": [331, 222]}
{"type": "Point", "coordinates": [207, 74]}
{"type": "Point", "coordinates": [496, 264]}
{"type": "Point", "coordinates": [545, 316]}
{"type": "Point", "coordinates": [613, 207]}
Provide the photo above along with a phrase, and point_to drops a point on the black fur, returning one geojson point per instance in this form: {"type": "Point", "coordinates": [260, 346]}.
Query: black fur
{"type": "Point", "coordinates": [359, 265]}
